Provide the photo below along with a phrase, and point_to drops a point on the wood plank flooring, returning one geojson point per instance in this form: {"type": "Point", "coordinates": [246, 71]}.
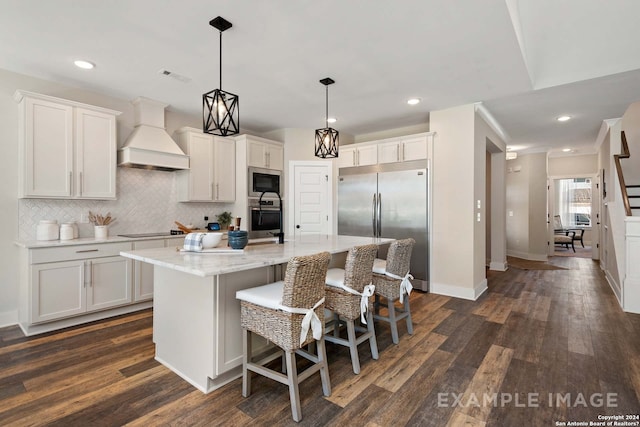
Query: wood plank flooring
{"type": "Point", "coordinates": [540, 347]}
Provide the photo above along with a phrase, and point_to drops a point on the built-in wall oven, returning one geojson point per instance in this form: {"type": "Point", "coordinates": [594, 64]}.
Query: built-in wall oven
{"type": "Point", "coordinates": [264, 218]}
{"type": "Point", "coordinates": [261, 180]}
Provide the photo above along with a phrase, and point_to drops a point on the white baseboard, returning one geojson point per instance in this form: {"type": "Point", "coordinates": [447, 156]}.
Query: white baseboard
{"type": "Point", "coordinates": [459, 291]}
{"type": "Point", "coordinates": [8, 318]}
{"type": "Point", "coordinates": [498, 266]}
{"type": "Point", "coordinates": [615, 287]}
{"type": "Point", "coordinates": [527, 255]}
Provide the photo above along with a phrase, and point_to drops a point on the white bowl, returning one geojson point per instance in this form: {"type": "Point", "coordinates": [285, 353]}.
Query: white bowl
{"type": "Point", "coordinates": [211, 240]}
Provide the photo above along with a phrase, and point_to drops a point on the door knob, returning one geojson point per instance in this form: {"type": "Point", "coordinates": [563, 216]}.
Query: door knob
{"type": "Point", "coordinates": [297, 226]}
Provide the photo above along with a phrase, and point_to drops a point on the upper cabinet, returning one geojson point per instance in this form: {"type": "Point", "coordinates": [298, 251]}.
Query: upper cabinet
{"type": "Point", "coordinates": [403, 149]}
{"type": "Point", "coordinates": [67, 149]}
{"type": "Point", "coordinates": [360, 155]}
{"type": "Point", "coordinates": [212, 162]}
{"type": "Point", "coordinates": [263, 154]}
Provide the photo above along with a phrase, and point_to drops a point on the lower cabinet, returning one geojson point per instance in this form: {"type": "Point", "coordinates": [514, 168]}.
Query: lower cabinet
{"type": "Point", "coordinates": [69, 281]}
{"type": "Point", "coordinates": [63, 289]}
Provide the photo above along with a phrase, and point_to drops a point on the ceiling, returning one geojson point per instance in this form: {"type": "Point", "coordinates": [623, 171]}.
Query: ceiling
{"type": "Point", "coordinates": [527, 61]}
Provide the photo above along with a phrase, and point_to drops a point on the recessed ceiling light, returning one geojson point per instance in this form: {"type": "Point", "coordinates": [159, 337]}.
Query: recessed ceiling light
{"type": "Point", "coordinates": [413, 101]}
{"type": "Point", "coordinates": [563, 118]}
{"type": "Point", "coordinates": [332, 120]}
{"type": "Point", "coordinates": [566, 150]}
{"type": "Point", "coordinates": [86, 65]}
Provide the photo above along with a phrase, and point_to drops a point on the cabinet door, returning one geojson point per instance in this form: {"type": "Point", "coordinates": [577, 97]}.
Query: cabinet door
{"type": "Point", "coordinates": [224, 154]}
{"type": "Point", "coordinates": [57, 290]}
{"type": "Point", "coordinates": [275, 157]}
{"type": "Point", "coordinates": [109, 282]}
{"type": "Point", "coordinates": [47, 135]}
{"type": "Point", "coordinates": [256, 154]}
{"type": "Point", "coordinates": [414, 148]}
{"type": "Point", "coordinates": [346, 157]}
{"type": "Point", "coordinates": [200, 168]}
{"type": "Point", "coordinates": [367, 155]}
{"type": "Point", "coordinates": [143, 272]}
{"type": "Point", "coordinates": [95, 165]}
{"type": "Point", "coordinates": [389, 152]}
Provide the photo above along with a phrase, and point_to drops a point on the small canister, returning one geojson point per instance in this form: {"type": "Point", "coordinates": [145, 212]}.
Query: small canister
{"type": "Point", "coordinates": [76, 232]}
{"type": "Point", "coordinates": [47, 229]}
{"type": "Point", "coordinates": [66, 231]}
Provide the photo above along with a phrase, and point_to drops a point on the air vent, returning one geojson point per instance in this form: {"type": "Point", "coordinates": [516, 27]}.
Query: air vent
{"type": "Point", "coordinates": [180, 78]}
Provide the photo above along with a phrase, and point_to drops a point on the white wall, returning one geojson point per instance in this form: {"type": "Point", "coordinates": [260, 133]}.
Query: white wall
{"type": "Point", "coordinates": [631, 127]}
{"type": "Point", "coordinates": [146, 199]}
{"type": "Point", "coordinates": [573, 165]}
{"type": "Point", "coordinates": [453, 233]}
{"type": "Point", "coordinates": [527, 207]}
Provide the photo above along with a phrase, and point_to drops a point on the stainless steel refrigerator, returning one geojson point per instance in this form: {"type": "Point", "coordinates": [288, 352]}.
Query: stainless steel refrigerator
{"type": "Point", "coordinates": [388, 201]}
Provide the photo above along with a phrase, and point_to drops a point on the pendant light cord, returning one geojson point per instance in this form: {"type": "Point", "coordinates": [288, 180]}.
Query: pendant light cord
{"type": "Point", "coordinates": [327, 106]}
{"type": "Point", "coordinates": [220, 60]}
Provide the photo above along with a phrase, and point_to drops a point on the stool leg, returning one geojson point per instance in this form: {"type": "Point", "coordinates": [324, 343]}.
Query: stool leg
{"type": "Point", "coordinates": [353, 347]}
{"type": "Point", "coordinates": [392, 321]}
{"type": "Point", "coordinates": [324, 367]}
{"type": "Point", "coordinates": [294, 392]}
{"type": "Point", "coordinates": [372, 339]}
{"type": "Point", "coordinates": [408, 310]}
{"type": "Point", "coordinates": [246, 358]}
{"type": "Point", "coordinates": [376, 304]}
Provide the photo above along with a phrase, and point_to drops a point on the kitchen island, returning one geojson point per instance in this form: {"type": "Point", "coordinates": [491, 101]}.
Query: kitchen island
{"type": "Point", "coordinates": [196, 317]}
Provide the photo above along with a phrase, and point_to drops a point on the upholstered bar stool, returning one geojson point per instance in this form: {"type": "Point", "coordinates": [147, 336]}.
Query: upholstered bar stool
{"type": "Point", "coordinates": [347, 296]}
{"type": "Point", "coordinates": [290, 314]}
{"type": "Point", "coordinates": [391, 279]}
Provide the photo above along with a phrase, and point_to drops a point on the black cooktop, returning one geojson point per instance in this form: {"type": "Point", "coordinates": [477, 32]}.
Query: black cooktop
{"type": "Point", "coordinates": [159, 234]}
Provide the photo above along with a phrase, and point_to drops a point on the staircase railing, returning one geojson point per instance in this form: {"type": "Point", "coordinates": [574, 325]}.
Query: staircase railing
{"type": "Point", "coordinates": [623, 155]}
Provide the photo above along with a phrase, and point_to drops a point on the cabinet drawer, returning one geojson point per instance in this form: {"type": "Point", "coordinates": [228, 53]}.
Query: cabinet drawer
{"type": "Point", "coordinates": [68, 253]}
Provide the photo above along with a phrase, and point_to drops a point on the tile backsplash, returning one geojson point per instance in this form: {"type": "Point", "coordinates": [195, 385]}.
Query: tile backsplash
{"type": "Point", "coordinates": [146, 202]}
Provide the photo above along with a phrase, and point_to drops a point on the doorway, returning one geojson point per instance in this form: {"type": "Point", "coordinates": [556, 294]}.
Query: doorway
{"type": "Point", "coordinates": [574, 211]}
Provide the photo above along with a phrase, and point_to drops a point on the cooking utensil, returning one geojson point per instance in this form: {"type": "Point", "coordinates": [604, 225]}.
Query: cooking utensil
{"type": "Point", "coordinates": [183, 227]}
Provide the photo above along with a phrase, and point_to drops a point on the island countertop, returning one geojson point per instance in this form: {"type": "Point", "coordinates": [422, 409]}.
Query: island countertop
{"type": "Point", "coordinates": [253, 256]}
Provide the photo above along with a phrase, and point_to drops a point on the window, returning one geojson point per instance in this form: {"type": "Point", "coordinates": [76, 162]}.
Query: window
{"type": "Point", "coordinates": [573, 201]}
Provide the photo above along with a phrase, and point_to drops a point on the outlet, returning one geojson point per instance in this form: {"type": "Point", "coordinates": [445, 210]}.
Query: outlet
{"type": "Point", "coordinates": [84, 218]}
{"type": "Point", "coordinates": [206, 218]}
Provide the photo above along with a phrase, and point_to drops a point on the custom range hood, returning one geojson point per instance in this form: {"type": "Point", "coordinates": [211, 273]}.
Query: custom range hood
{"type": "Point", "coordinates": [149, 146]}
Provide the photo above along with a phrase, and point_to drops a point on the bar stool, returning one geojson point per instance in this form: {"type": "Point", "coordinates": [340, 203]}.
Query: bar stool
{"type": "Point", "coordinates": [290, 314]}
{"type": "Point", "coordinates": [347, 296]}
{"type": "Point", "coordinates": [391, 279]}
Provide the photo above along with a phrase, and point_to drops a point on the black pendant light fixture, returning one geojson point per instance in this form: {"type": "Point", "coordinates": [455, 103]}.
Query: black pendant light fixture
{"type": "Point", "coordinates": [326, 145]}
{"type": "Point", "coordinates": [220, 113]}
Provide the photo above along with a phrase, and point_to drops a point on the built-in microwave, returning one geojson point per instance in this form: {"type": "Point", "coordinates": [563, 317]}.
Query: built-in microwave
{"type": "Point", "coordinates": [261, 180]}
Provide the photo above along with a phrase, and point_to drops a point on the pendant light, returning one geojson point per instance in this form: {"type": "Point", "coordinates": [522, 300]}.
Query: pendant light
{"type": "Point", "coordinates": [326, 145]}
{"type": "Point", "coordinates": [220, 113]}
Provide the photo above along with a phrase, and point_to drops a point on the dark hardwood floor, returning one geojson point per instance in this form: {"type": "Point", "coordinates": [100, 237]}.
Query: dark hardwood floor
{"type": "Point", "coordinates": [540, 347]}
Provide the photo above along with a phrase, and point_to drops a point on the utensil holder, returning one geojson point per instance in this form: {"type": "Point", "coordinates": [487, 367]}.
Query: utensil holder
{"type": "Point", "coordinates": [101, 232]}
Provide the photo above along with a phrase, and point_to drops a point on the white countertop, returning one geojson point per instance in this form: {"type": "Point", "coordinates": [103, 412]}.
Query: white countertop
{"type": "Point", "coordinates": [253, 256]}
{"type": "Point", "coordinates": [34, 244]}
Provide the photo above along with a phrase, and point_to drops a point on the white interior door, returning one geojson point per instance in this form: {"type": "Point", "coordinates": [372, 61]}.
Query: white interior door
{"type": "Point", "coordinates": [311, 207]}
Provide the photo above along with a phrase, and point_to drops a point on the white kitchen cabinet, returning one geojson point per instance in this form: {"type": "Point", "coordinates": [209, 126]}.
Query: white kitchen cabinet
{"type": "Point", "coordinates": [143, 272]}
{"type": "Point", "coordinates": [108, 282]}
{"type": "Point", "coordinates": [66, 149]}
{"type": "Point", "coordinates": [224, 171]}
{"type": "Point", "coordinates": [77, 279]}
{"type": "Point", "coordinates": [96, 154]}
{"type": "Point", "coordinates": [211, 173]}
{"type": "Point", "coordinates": [57, 290]}
{"type": "Point", "coordinates": [263, 154]}
{"type": "Point", "coordinates": [361, 155]}
{"type": "Point", "coordinates": [403, 150]}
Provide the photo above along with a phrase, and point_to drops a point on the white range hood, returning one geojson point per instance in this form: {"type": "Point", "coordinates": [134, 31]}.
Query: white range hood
{"type": "Point", "coordinates": [149, 146]}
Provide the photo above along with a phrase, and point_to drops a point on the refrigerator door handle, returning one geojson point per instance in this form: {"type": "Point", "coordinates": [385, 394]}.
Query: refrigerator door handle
{"type": "Point", "coordinates": [373, 214]}
{"type": "Point", "coordinates": [379, 215]}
